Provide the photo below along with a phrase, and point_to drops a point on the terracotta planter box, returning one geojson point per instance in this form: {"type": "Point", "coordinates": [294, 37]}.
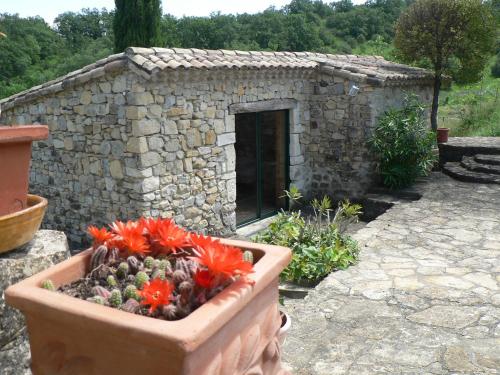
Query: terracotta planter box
{"type": "Point", "coordinates": [15, 156]}
{"type": "Point", "coordinates": [236, 332]}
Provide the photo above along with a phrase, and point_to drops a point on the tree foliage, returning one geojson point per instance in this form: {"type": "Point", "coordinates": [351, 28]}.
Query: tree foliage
{"type": "Point", "coordinates": [137, 23]}
{"type": "Point", "coordinates": [453, 37]}
{"type": "Point", "coordinates": [33, 52]}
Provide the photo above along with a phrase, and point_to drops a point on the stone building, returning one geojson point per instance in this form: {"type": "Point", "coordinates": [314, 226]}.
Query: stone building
{"type": "Point", "coordinates": [210, 138]}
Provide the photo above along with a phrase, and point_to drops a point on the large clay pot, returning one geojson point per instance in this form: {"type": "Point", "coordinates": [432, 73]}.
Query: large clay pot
{"type": "Point", "coordinates": [15, 156]}
{"type": "Point", "coordinates": [236, 332]}
{"type": "Point", "coordinates": [20, 227]}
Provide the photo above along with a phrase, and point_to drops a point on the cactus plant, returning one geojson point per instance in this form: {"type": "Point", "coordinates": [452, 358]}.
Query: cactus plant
{"type": "Point", "coordinates": [115, 299]}
{"type": "Point", "coordinates": [169, 312]}
{"type": "Point", "coordinates": [179, 276]}
{"type": "Point", "coordinates": [149, 262]}
{"type": "Point", "coordinates": [101, 292]}
{"type": "Point", "coordinates": [248, 256]}
{"type": "Point", "coordinates": [131, 292]}
{"type": "Point", "coordinates": [158, 274]}
{"type": "Point", "coordinates": [131, 306]}
{"type": "Point", "coordinates": [111, 281]}
{"type": "Point", "coordinates": [134, 264]}
{"type": "Point", "coordinates": [164, 264]}
{"type": "Point", "coordinates": [122, 270]}
{"type": "Point", "coordinates": [140, 279]}
{"type": "Point", "coordinates": [97, 299]}
{"type": "Point", "coordinates": [98, 257]}
{"type": "Point", "coordinates": [169, 281]}
{"type": "Point", "coordinates": [48, 284]}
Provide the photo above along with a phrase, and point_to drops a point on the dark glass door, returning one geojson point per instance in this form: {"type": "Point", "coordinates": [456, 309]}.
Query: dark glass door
{"type": "Point", "coordinates": [261, 164]}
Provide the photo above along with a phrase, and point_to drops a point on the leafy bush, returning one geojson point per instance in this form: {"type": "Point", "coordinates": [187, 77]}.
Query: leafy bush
{"type": "Point", "coordinates": [495, 69]}
{"type": "Point", "coordinates": [318, 243]}
{"type": "Point", "coordinates": [404, 144]}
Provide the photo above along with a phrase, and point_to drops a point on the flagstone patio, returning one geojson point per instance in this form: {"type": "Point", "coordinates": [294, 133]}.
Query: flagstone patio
{"type": "Point", "coordinates": [423, 299]}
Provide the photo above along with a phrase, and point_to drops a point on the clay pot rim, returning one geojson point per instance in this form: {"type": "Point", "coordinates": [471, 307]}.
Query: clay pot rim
{"type": "Point", "coordinates": [443, 129]}
{"type": "Point", "coordinates": [23, 133]}
{"type": "Point", "coordinates": [34, 203]}
{"type": "Point", "coordinates": [188, 333]}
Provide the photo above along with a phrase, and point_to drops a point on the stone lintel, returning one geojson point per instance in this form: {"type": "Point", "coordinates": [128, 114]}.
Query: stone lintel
{"type": "Point", "coordinates": [263, 105]}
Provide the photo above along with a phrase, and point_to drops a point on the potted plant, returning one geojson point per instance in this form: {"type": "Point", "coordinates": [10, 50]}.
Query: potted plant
{"type": "Point", "coordinates": [442, 135]}
{"type": "Point", "coordinates": [20, 214]}
{"type": "Point", "coordinates": [150, 298]}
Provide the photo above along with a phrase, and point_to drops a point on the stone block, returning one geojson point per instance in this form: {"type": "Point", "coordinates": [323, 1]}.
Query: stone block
{"type": "Point", "coordinates": [149, 159]}
{"type": "Point", "coordinates": [115, 168]}
{"type": "Point", "coordinates": [120, 84]}
{"type": "Point", "coordinates": [168, 127]}
{"type": "Point", "coordinates": [137, 145]}
{"type": "Point", "coordinates": [135, 112]}
{"type": "Point", "coordinates": [226, 139]}
{"type": "Point", "coordinates": [140, 98]}
{"type": "Point", "coordinates": [149, 184]}
{"type": "Point", "coordinates": [145, 127]}
{"type": "Point", "coordinates": [86, 98]}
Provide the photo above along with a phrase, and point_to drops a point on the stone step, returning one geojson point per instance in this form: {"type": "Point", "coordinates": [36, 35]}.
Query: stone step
{"type": "Point", "coordinates": [469, 162]}
{"type": "Point", "coordinates": [457, 147]}
{"type": "Point", "coordinates": [457, 171]}
{"type": "Point", "coordinates": [487, 159]}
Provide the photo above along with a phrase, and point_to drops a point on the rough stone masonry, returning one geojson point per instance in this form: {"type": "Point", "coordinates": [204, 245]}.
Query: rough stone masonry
{"type": "Point", "coordinates": [152, 131]}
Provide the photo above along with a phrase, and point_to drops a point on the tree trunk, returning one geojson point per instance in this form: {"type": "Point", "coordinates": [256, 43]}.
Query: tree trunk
{"type": "Point", "coordinates": [435, 101]}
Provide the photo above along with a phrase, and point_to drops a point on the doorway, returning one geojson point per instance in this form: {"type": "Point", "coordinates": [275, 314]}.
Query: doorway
{"type": "Point", "coordinates": [262, 140]}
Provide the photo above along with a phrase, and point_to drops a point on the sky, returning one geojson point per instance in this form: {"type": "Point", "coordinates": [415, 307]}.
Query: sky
{"type": "Point", "coordinates": [49, 9]}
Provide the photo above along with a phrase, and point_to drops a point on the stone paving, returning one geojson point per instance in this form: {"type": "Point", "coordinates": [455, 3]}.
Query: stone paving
{"type": "Point", "coordinates": [423, 299]}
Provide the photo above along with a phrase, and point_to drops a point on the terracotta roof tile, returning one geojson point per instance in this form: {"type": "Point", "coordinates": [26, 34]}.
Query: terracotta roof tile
{"type": "Point", "coordinates": [149, 61]}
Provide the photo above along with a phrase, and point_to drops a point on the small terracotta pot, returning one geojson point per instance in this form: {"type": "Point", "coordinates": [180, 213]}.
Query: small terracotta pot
{"type": "Point", "coordinates": [286, 323]}
{"type": "Point", "coordinates": [15, 155]}
{"type": "Point", "coordinates": [442, 135]}
{"type": "Point", "coordinates": [236, 332]}
{"type": "Point", "coordinates": [20, 227]}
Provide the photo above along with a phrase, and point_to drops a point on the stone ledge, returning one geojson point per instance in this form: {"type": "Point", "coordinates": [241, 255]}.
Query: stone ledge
{"type": "Point", "coordinates": [49, 247]}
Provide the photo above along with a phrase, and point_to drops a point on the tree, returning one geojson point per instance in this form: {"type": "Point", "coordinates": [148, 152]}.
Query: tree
{"type": "Point", "coordinates": [137, 23]}
{"type": "Point", "coordinates": [452, 36]}
{"type": "Point", "coordinates": [84, 26]}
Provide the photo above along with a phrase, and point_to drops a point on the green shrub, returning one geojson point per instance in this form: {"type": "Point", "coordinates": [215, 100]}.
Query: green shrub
{"type": "Point", "coordinates": [318, 245]}
{"type": "Point", "coordinates": [495, 69]}
{"type": "Point", "coordinates": [404, 144]}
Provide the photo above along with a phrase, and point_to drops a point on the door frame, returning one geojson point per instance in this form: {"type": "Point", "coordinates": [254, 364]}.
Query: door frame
{"type": "Point", "coordinates": [260, 178]}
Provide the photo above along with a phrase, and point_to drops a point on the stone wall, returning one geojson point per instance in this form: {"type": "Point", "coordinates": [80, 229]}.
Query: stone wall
{"type": "Point", "coordinates": [335, 142]}
{"type": "Point", "coordinates": [123, 146]}
{"type": "Point", "coordinates": [88, 168]}
{"type": "Point", "coordinates": [188, 133]}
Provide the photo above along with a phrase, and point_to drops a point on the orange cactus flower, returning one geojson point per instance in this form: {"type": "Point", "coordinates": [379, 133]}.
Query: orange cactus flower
{"type": "Point", "coordinates": [156, 293]}
{"type": "Point", "coordinates": [100, 236]}
{"type": "Point", "coordinates": [222, 261]}
{"type": "Point", "coordinates": [129, 237]}
{"type": "Point", "coordinates": [170, 236]}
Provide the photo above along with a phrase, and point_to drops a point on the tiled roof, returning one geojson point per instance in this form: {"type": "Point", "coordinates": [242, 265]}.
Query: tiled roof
{"type": "Point", "coordinates": [150, 61]}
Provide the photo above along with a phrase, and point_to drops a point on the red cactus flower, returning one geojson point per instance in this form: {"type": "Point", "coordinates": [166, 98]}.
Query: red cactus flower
{"type": "Point", "coordinates": [100, 236]}
{"type": "Point", "coordinates": [129, 237]}
{"type": "Point", "coordinates": [170, 236]}
{"type": "Point", "coordinates": [204, 279]}
{"type": "Point", "coordinates": [151, 225]}
{"type": "Point", "coordinates": [156, 293]}
{"type": "Point", "coordinates": [199, 241]}
{"type": "Point", "coordinates": [222, 261]}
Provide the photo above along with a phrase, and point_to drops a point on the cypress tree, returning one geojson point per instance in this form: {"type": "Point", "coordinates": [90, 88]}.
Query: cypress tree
{"type": "Point", "coordinates": [137, 24]}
